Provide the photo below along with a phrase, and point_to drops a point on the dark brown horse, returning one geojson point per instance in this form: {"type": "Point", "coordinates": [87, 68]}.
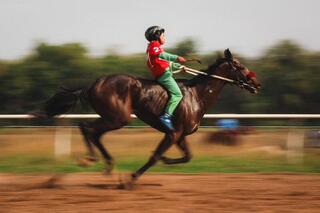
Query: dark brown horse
{"type": "Point", "coordinates": [115, 97]}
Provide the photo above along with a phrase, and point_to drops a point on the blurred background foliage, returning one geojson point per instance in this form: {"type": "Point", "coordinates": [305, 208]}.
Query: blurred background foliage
{"type": "Point", "coordinates": [289, 74]}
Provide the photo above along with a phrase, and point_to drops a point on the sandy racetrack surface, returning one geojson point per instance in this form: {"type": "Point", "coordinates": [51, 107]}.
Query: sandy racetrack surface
{"type": "Point", "coordinates": [93, 192]}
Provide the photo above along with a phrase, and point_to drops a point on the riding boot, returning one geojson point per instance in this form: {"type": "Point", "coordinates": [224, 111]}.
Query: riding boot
{"type": "Point", "coordinates": [166, 121]}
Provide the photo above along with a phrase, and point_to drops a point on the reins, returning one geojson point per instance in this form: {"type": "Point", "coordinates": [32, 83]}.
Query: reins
{"type": "Point", "coordinates": [237, 82]}
{"type": "Point", "coordinates": [197, 72]}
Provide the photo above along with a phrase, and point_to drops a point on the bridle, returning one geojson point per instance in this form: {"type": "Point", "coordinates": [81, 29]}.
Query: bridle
{"type": "Point", "coordinates": [236, 72]}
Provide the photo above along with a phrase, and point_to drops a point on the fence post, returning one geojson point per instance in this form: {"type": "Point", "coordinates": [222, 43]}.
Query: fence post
{"type": "Point", "coordinates": [62, 141]}
{"type": "Point", "coordinates": [295, 145]}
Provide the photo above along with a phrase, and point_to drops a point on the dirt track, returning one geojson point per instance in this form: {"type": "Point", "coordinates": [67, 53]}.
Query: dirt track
{"type": "Point", "coordinates": [161, 193]}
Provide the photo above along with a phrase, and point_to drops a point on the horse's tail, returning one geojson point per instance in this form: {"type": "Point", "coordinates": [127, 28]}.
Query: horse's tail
{"type": "Point", "coordinates": [62, 102]}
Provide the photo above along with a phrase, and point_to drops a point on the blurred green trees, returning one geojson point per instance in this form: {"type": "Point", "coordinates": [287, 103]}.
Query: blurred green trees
{"type": "Point", "coordinates": [289, 74]}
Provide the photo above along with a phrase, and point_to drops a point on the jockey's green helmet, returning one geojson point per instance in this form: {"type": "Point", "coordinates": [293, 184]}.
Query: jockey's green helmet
{"type": "Point", "coordinates": [153, 33]}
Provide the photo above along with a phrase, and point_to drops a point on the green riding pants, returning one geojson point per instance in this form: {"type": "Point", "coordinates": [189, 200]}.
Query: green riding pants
{"type": "Point", "coordinates": [175, 95]}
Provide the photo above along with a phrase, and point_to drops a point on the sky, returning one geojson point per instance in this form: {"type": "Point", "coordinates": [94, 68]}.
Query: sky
{"type": "Point", "coordinates": [247, 27]}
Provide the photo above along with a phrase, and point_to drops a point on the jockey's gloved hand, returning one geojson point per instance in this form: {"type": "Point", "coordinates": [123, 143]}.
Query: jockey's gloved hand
{"type": "Point", "coordinates": [181, 59]}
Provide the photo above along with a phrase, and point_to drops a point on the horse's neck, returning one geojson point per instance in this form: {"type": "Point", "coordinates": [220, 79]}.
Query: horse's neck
{"type": "Point", "coordinates": [209, 90]}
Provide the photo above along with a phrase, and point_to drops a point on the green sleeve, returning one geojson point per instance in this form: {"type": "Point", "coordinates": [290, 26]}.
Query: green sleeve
{"type": "Point", "coordinates": [167, 56]}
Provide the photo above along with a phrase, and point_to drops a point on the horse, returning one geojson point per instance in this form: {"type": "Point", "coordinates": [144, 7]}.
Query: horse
{"type": "Point", "coordinates": [116, 97]}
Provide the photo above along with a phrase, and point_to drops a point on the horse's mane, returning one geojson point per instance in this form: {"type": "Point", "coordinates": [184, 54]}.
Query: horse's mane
{"type": "Point", "coordinates": [210, 70]}
{"type": "Point", "coordinates": [213, 67]}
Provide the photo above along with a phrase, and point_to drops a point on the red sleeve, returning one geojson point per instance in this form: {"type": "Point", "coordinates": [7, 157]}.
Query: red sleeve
{"type": "Point", "coordinates": [154, 49]}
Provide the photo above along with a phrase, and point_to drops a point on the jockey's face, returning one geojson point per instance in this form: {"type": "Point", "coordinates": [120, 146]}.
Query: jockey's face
{"type": "Point", "coordinates": [162, 39]}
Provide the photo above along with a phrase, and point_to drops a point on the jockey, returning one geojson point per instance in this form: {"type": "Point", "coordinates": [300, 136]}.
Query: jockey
{"type": "Point", "coordinates": [162, 64]}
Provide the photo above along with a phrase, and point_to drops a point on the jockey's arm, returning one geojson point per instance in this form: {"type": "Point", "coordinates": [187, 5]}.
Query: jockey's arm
{"type": "Point", "coordinates": [168, 56]}
{"type": "Point", "coordinates": [173, 59]}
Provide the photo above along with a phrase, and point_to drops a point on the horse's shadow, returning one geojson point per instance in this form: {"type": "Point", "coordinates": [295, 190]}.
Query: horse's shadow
{"type": "Point", "coordinates": [120, 186]}
{"type": "Point", "coordinates": [53, 182]}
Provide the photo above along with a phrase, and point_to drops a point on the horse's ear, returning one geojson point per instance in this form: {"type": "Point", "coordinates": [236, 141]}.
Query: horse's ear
{"type": "Point", "coordinates": [228, 54]}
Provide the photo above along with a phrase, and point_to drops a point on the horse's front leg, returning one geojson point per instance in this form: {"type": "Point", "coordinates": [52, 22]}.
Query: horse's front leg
{"type": "Point", "coordinates": [169, 139]}
{"type": "Point", "coordinates": [183, 146]}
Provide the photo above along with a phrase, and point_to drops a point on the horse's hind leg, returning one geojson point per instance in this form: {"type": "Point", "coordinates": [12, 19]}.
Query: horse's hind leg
{"type": "Point", "coordinates": [92, 133]}
{"type": "Point", "coordinates": [84, 128]}
{"type": "Point", "coordinates": [183, 146]}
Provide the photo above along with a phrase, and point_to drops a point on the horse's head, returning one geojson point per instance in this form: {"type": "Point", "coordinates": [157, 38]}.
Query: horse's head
{"type": "Point", "coordinates": [241, 75]}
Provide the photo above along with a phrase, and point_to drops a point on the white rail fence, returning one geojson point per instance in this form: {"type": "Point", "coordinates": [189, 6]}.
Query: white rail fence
{"type": "Point", "coordinates": [217, 116]}
{"type": "Point", "coordinates": [295, 140]}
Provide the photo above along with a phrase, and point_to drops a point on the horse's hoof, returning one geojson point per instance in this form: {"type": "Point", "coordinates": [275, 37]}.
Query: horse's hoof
{"type": "Point", "coordinates": [87, 161]}
{"type": "Point", "coordinates": [134, 177]}
{"type": "Point", "coordinates": [92, 158]}
{"type": "Point", "coordinates": [52, 182]}
{"type": "Point", "coordinates": [107, 171]}
{"type": "Point", "coordinates": [127, 184]}
{"type": "Point", "coordinates": [109, 167]}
